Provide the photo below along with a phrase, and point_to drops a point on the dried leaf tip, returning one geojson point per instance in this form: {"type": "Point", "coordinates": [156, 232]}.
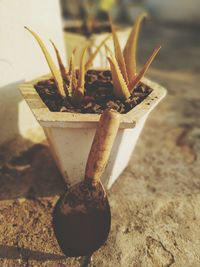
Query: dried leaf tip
{"type": "Point", "coordinates": [60, 63]}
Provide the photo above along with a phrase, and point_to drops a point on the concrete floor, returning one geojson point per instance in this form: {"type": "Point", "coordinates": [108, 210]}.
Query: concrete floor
{"type": "Point", "coordinates": [155, 203]}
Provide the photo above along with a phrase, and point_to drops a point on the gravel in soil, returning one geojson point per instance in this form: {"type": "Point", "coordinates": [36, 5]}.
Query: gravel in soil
{"type": "Point", "coordinates": [99, 95]}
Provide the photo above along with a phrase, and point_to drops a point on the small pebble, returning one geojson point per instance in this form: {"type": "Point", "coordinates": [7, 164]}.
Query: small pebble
{"type": "Point", "coordinates": [99, 94]}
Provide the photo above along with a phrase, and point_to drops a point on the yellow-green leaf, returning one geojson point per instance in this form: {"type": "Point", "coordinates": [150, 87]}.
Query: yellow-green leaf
{"type": "Point", "coordinates": [130, 49]}
{"type": "Point", "coordinates": [108, 51]}
{"type": "Point", "coordinates": [72, 79]}
{"type": "Point", "coordinates": [81, 78]}
{"type": "Point", "coordinates": [118, 53]}
{"type": "Point", "coordinates": [136, 80]}
{"type": "Point", "coordinates": [119, 84]}
{"type": "Point", "coordinates": [93, 55]}
{"type": "Point", "coordinates": [72, 73]}
{"type": "Point", "coordinates": [54, 70]}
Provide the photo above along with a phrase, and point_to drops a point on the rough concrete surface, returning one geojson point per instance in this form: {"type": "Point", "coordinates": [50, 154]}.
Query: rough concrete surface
{"type": "Point", "coordinates": [155, 203]}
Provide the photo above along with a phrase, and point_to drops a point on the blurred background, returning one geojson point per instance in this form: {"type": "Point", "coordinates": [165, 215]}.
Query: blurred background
{"type": "Point", "coordinates": [172, 24]}
{"type": "Point", "coordinates": [180, 11]}
{"type": "Point", "coordinates": [156, 201]}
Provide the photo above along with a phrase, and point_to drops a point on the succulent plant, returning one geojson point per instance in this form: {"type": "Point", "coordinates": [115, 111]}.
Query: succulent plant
{"type": "Point", "coordinates": [75, 89]}
{"type": "Point", "coordinates": [71, 82]}
{"type": "Point", "coordinates": [123, 64]}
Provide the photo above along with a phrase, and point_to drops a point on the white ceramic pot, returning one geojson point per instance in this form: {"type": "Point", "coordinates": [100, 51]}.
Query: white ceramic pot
{"type": "Point", "coordinates": [74, 40]}
{"type": "Point", "coordinates": [70, 135]}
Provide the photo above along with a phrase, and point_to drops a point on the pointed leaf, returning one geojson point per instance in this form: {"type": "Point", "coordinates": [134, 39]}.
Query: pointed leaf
{"type": "Point", "coordinates": [72, 60]}
{"type": "Point", "coordinates": [108, 50]}
{"type": "Point", "coordinates": [81, 79]}
{"type": "Point", "coordinates": [72, 73]}
{"type": "Point", "coordinates": [136, 80]}
{"type": "Point", "coordinates": [120, 86]}
{"type": "Point", "coordinates": [60, 63]}
{"type": "Point", "coordinates": [118, 53]}
{"type": "Point", "coordinates": [92, 57]}
{"type": "Point", "coordinates": [54, 70]}
{"type": "Point", "coordinates": [79, 90]}
{"type": "Point", "coordinates": [72, 79]}
{"type": "Point", "coordinates": [130, 49]}
{"type": "Point", "coordinates": [61, 67]}
{"type": "Point", "coordinates": [70, 87]}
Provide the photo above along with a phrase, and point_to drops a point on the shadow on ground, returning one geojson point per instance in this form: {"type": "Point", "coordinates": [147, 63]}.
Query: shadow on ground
{"type": "Point", "coordinates": [26, 170]}
{"type": "Point", "coordinates": [30, 174]}
{"type": "Point", "coordinates": [12, 252]}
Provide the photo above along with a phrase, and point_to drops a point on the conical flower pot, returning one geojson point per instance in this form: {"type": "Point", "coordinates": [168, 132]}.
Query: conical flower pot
{"type": "Point", "coordinates": [70, 135]}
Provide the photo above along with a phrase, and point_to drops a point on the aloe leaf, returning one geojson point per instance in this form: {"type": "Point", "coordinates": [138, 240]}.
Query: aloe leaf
{"type": "Point", "coordinates": [92, 57]}
{"type": "Point", "coordinates": [70, 87]}
{"type": "Point", "coordinates": [54, 70]}
{"type": "Point", "coordinates": [79, 90]}
{"type": "Point", "coordinates": [72, 79]}
{"type": "Point", "coordinates": [130, 49]}
{"type": "Point", "coordinates": [60, 63]}
{"type": "Point", "coordinates": [72, 73]}
{"type": "Point", "coordinates": [118, 53]}
{"type": "Point", "coordinates": [72, 61]}
{"type": "Point", "coordinates": [136, 80]}
{"type": "Point", "coordinates": [108, 50]}
{"type": "Point", "coordinates": [119, 84]}
{"type": "Point", "coordinates": [81, 80]}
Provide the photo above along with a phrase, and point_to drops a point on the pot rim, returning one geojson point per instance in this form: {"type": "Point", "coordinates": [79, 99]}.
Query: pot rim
{"type": "Point", "coordinates": [48, 118]}
{"type": "Point", "coordinates": [95, 36]}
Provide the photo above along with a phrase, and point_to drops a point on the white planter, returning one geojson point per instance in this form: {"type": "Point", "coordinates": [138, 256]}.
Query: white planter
{"type": "Point", "coordinates": [79, 41]}
{"type": "Point", "coordinates": [70, 135]}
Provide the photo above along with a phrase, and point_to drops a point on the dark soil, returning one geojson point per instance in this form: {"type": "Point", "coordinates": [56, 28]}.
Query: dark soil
{"type": "Point", "coordinates": [99, 95]}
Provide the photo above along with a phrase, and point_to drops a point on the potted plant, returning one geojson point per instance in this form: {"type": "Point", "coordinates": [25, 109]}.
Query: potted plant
{"type": "Point", "coordinates": [90, 30]}
{"type": "Point", "coordinates": [68, 105]}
